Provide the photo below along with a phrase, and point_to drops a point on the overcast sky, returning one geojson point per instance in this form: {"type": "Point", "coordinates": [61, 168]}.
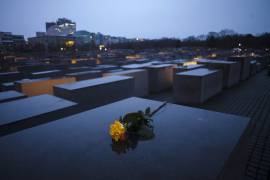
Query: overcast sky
{"type": "Point", "coordinates": [138, 18]}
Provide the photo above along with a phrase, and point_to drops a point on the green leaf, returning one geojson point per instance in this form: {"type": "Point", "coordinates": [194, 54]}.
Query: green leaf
{"type": "Point", "coordinates": [147, 111]}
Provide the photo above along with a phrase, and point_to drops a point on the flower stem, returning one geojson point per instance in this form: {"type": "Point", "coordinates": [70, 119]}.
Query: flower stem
{"type": "Point", "coordinates": [156, 110]}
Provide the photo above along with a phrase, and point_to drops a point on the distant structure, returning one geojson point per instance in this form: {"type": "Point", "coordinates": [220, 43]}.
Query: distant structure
{"type": "Point", "coordinates": [62, 34]}
{"type": "Point", "coordinates": [50, 41]}
{"type": "Point", "coordinates": [40, 34]}
{"type": "Point", "coordinates": [58, 34]}
{"type": "Point", "coordinates": [9, 40]}
{"type": "Point", "coordinates": [84, 37]}
{"type": "Point", "coordinates": [62, 27]}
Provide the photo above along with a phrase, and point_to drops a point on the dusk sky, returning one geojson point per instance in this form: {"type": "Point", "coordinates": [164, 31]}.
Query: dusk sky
{"type": "Point", "coordinates": [138, 18]}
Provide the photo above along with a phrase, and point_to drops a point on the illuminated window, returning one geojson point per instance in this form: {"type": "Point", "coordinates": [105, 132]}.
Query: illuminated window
{"type": "Point", "coordinates": [70, 43]}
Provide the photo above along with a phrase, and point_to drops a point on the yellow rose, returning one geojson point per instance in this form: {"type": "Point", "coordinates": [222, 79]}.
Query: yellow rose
{"type": "Point", "coordinates": [117, 131]}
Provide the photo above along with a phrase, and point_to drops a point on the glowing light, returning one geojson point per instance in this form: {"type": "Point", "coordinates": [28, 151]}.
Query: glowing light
{"type": "Point", "coordinates": [74, 61]}
{"type": "Point", "coordinates": [133, 57]}
{"type": "Point", "coordinates": [198, 57]}
{"type": "Point", "coordinates": [213, 55]}
{"type": "Point", "coordinates": [190, 63]}
{"type": "Point", "coordinates": [101, 47]}
{"type": "Point", "coordinates": [70, 43]}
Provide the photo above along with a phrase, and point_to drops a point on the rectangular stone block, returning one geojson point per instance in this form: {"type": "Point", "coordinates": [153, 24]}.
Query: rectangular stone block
{"type": "Point", "coordinates": [253, 67]}
{"type": "Point", "coordinates": [85, 75]}
{"type": "Point", "coordinates": [197, 86]}
{"type": "Point", "coordinates": [245, 66]}
{"type": "Point", "coordinates": [263, 60]}
{"type": "Point", "coordinates": [140, 80]}
{"type": "Point", "coordinates": [10, 96]}
{"type": "Point", "coordinates": [29, 68]}
{"type": "Point", "coordinates": [160, 77]}
{"type": "Point", "coordinates": [78, 69]}
{"type": "Point", "coordinates": [44, 74]}
{"type": "Point", "coordinates": [137, 66]}
{"type": "Point", "coordinates": [231, 70]}
{"type": "Point", "coordinates": [8, 86]}
{"type": "Point", "coordinates": [22, 109]}
{"type": "Point", "coordinates": [33, 87]}
{"type": "Point", "coordinates": [97, 92]}
{"type": "Point", "coordinates": [140, 65]}
{"type": "Point", "coordinates": [10, 76]}
{"type": "Point", "coordinates": [105, 67]}
{"type": "Point", "coordinates": [178, 69]}
{"type": "Point", "coordinates": [189, 144]}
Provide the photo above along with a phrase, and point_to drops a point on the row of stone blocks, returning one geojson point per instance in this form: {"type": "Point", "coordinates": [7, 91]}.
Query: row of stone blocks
{"type": "Point", "coordinates": [195, 85]}
{"type": "Point", "coordinates": [231, 70]}
{"type": "Point", "coordinates": [117, 85]}
{"type": "Point", "coordinates": [151, 79]}
{"type": "Point", "coordinates": [189, 87]}
{"type": "Point", "coordinates": [155, 79]}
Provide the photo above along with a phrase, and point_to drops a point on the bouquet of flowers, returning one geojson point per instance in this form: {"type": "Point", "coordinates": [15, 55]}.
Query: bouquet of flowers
{"type": "Point", "coordinates": [134, 124]}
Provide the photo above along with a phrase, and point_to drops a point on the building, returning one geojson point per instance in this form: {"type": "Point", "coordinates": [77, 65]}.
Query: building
{"type": "Point", "coordinates": [58, 35]}
{"type": "Point", "coordinates": [62, 27]}
{"type": "Point", "coordinates": [40, 34]}
{"type": "Point", "coordinates": [62, 33]}
{"type": "Point", "coordinates": [49, 24]}
{"type": "Point", "coordinates": [7, 39]}
{"type": "Point", "coordinates": [83, 37]}
{"type": "Point", "coordinates": [50, 41]}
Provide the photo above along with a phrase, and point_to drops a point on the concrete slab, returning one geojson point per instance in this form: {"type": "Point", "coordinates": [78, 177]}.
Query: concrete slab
{"type": "Point", "coordinates": [44, 74]}
{"type": "Point", "coordinates": [33, 87]}
{"type": "Point", "coordinates": [253, 67]}
{"type": "Point", "coordinates": [85, 75]}
{"type": "Point", "coordinates": [140, 80]}
{"type": "Point", "coordinates": [245, 66]}
{"type": "Point", "coordinates": [10, 76]}
{"type": "Point", "coordinates": [186, 68]}
{"type": "Point", "coordinates": [8, 86]}
{"type": "Point", "coordinates": [189, 143]}
{"type": "Point", "coordinates": [97, 92]}
{"type": "Point", "coordinates": [160, 77]}
{"type": "Point", "coordinates": [231, 70]}
{"type": "Point", "coordinates": [19, 110]}
{"type": "Point", "coordinates": [197, 86]}
{"type": "Point", "coordinates": [10, 96]}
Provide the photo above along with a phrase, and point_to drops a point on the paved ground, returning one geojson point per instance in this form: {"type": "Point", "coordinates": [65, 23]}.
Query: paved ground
{"type": "Point", "coordinates": [249, 98]}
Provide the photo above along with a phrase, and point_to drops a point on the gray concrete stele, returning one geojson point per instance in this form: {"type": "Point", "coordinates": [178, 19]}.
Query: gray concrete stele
{"type": "Point", "coordinates": [197, 86]}
{"type": "Point", "coordinates": [231, 70]}
{"type": "Point", "coordinates": [160, 77]}
{"type": "Point", "coordinates": [140, 80]}
{"type": "Point", "coordinates": [97, 92]}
